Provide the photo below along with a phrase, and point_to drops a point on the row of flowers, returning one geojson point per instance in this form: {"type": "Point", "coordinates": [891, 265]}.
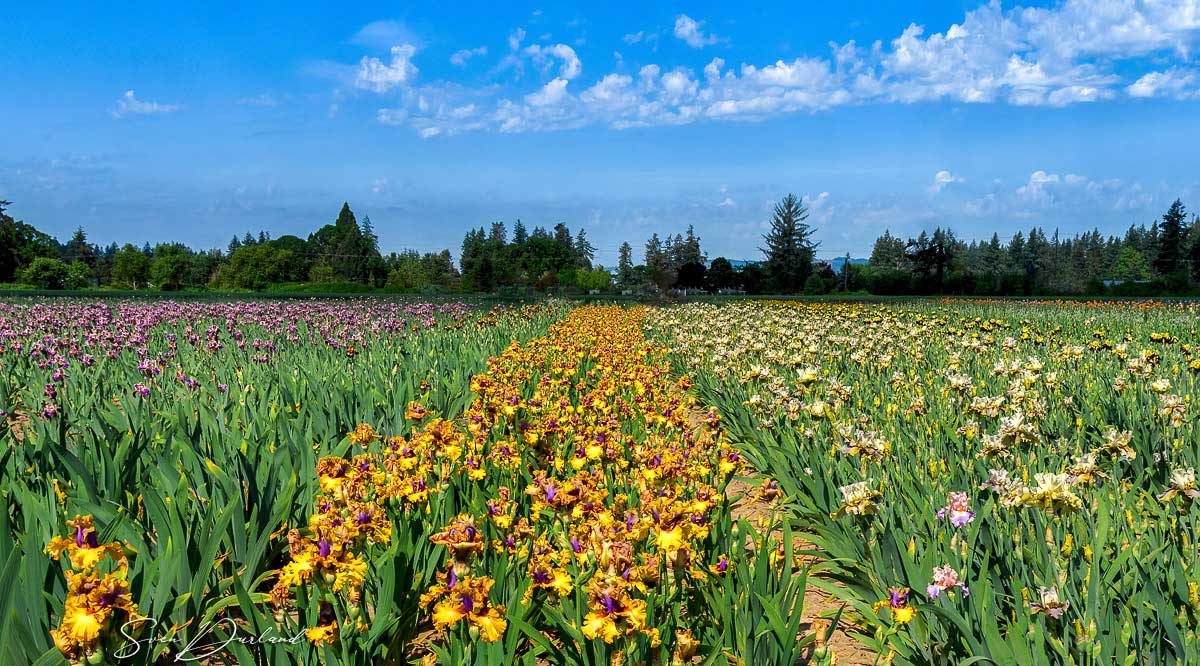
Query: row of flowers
{"type": "Point", "coordinates": [977, 468]}
{"type": "Point", "coordinates": [576, 511]}
{"type": "Point", "coordinates": [582, 470]}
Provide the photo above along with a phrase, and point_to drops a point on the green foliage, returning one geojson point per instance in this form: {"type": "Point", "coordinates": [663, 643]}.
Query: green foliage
{"type": "Point", "coordinates": [130, 268]}
{"type": "Point", "coordinates": [79, 275]}
{"type": "Point", "coordinates": [789, 248]}
{"type": "Point", "coordinates": [814, 286]}
{"type": "Point", "coordinates": [349, 253]}
{"type": "Point", "coordinates": [202, 483]}
{"type": "Point", "coordinates": [171, 267]}
{"type": "Point", "coordinates": [1037, 263]}
{"type": "Point", "coordinates": [720, 274]}
{"type": "Point", "coordinates": [1130, 265]}
{"type": "Point", "coordinates": [595, 279]}
{"type": "Point", "coordinates": [20, 244]}
{"type": "Point", "coordinates": [896, 398]}
{"type": "Point", "coordinates": [45, 273]}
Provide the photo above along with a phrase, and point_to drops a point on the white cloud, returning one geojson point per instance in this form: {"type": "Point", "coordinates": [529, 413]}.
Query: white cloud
{"type": "Point", "coordinates": [1077, 51]}
{"type": "Point", "coordinates": [614, 93]}
{"type": "Point", "coordinates": [1044, 189]}
{"type": "Point", "coordinates": [130, 105]}
{"type": "Point", "coordinates": [943, 178]}
{"type": "Point", "coordinates": [1176, 82]}
{"type": "Point", "coordinates": [727, 203]}
{"type": "Point", "coordinates": [1040, 187]}
{"type": "Point", "coordinates": [384, 34]}
{"type": "Point", "coordinates": [264, 99]}
{"type": "Point", "coordinates": [571, 65]}
{"type": "Point", "coordinates": [376, 76]}
{"type": "Point", "coordinates": [461, 57]}
{"type": "Point", "coordinates": [515, 39]}
{"type": "Point", "coordinates": [550, 94]}
{"type": "Point", "coordinates": [692, 32]}
{"type": "Point", "coordinates": [391, 116]}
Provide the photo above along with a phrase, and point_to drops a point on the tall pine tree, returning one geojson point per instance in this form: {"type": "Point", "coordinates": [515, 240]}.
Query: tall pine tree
{"type": "Point", "coordinates": [1171, 235]}
{"type": "Point", "coordinates": [789, 247]}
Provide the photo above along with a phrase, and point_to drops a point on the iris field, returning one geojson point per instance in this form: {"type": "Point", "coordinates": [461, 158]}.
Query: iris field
{"type": "Point", "coordinates": [389, 482]}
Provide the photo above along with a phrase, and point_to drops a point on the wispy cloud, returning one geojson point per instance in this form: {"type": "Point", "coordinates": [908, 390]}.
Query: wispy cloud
{"type": "Point", "coordinates": [262, 99]}
{"type": "Point", "coordinates": [461, 57]}
{"type": "Point", "coordinates": [385, 34]}
{"type": "Point", "coordinates": [130, 105]}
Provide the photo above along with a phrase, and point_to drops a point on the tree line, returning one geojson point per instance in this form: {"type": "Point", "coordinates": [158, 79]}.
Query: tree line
{"type": "Point", "coordinates": [344, 256]}
{"type": "Point", "coordinates": [343, 253]}
{"type": "Point", "coordinates": [1161, 259]}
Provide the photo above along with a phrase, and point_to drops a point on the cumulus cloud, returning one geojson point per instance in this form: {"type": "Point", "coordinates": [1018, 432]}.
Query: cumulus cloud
{"type": "Point", "coordinates": [692, 32]}
{"type": "Point", "coordinates": [461, 57]}
{"type": "Point", "coordinates": [550, 94]}
{"type": "Point", "coordinates": [1176, 82]}
{"type": "Point", "coordinates": [377, 76]}
{"type": "Point", "coordinates": [570, 63]}
{"type": "Point", "coordinates": [727, 203]}
{"type": "Point", "coordinates": [1074, 52]}
{"type": "Point", "coordinates": [130, 105]}
{"type": "Point", "coordinates": [1040, 187]}
{"type": "Point", "coordinates": [943, 178]}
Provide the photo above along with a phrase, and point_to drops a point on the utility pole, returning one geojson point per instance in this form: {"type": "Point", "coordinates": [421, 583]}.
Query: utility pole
{"type": "Point", "coordinates": [846, 274]}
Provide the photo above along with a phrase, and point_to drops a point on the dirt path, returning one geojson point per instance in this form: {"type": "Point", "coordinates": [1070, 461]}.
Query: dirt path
{"type": "Point", "coordinates": [818, 605]}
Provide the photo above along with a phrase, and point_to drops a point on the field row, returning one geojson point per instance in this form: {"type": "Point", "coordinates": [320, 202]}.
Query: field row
{"type": "Point", "coordinates": [1010, 482]}
{"type": "Point", "coordinates": [570, 507]}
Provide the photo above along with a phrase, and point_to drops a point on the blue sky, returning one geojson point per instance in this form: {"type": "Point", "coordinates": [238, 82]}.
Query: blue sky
{"type": "Point", "coordinates": [155, 122]}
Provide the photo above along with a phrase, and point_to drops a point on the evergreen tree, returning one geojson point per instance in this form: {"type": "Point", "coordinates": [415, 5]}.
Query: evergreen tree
{"type": "Point", "coordinates": [562, 234]}
{"type": "Point", "coordinates": [653, 258]}
{"type": "Point", "coordinates": [79, 249]}
{"type": "Point", "coordinates": [675, 250]}
{"type": "Point", "coordinates": [370, 242]}
{"type": "Point", "coordinates": [888, 252]}
{"type": "Point", "coordinates": [930, 256]}
{"type": "Point", "coordinates": [1171, 234]}
{"type": "Point", "coordinates": [625, 272]}
{"type": "Point", "coordinates": [658, 263]}
{"type": "Point", "coordinates": [1194, 252]}
{"type": "Point", "coordinates": [584, 251]}
{"type": "Point", "coordinates": [789, 249]}
{"type": "Point", "coordinates": [519, 233]}
{"type": "Point", "coordinates": [498, 235]}
{"type": "Point", "coordinates": [692, 254]}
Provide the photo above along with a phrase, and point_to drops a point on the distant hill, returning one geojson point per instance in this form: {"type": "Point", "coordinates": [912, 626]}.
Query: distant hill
{"type": "Point", "coordinates": [837, 262]}
{"type": "Point", "coordinates": [739, 263]}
